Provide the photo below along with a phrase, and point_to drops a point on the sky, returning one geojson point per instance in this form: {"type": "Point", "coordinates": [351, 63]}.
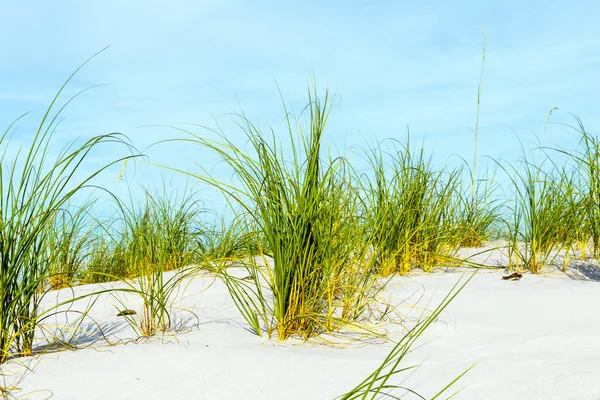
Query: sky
{"type": "Point", "coordinates": [395, 66]}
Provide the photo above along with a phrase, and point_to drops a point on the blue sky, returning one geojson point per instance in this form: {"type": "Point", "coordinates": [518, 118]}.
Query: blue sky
{"type": "Point", "coordinates": [393, 63]}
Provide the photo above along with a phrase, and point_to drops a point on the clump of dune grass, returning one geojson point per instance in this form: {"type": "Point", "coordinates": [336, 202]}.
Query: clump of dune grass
{"type": "Point", "coordinates": [409, 209]}
{"type": "Point", "coordinates": [34, 188]}
{"type": "Point", "coordinates": [145, 241]}
{"type": "Point", "coordinates": [227, 240]}
{"type": "Point", "coordinates": [298, 203]}
{"type": "Point", "coordinates": [158, 294]}
{"type": "Point", "coordinates": [105, 262]}
{"type": "Point", "coordinates": [162, 230]}
{"type": "Point", "coordinates": [587, 159]}
{"type": "Point", "coordinates": [69, 240]}
{"type": "Point", "coordinates": [544, 215]}
{"type": "Point", "coordinates": [475, 212]}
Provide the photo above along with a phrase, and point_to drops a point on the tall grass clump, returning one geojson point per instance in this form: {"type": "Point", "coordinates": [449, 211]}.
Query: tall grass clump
{"type": "Point", "coordinates": [149, 239]}
{"type": "Point", "coordinates": [177, 223]}
{"type": "Point", "coordinates": [162, 230]}
{"type": "Point", "coordinates": [104, 261]}
{"type": "Point", "coordinates": [476, 212]}
{"type": "Point", "coordinates": [544, 215]}
{"type": "Point", "coordinates": [34, 188]}
{"type": "Point", "coordinates": [588, 161]}
{"type": "Point", "coordinates": [227, 240]}
{"type": "Point", "coordinates": [409, 209]}
{"type": "Point", "coordinates": [302, 208]}
{"type": "Point", "coordinates": [69, 240]}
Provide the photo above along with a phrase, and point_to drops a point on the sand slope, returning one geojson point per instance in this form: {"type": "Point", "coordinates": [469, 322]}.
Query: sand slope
{"type": "Point", "coordinates": [538, 338]}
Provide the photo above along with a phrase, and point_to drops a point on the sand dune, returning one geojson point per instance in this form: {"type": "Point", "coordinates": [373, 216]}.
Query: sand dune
{"type": "Point", "coordinates": [536, 338]}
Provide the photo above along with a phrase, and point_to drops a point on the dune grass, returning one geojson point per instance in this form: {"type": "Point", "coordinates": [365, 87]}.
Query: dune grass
{"type": "Point", "coordinates": [546, 214]}
{"type": "Point", "coordinates": [143, 242]}
{"type": "Point", "coordinates": [410, 209]}
{"type": "Point", "coordinates": [303, 207]}
{"type": "Point", "coordinates": [69, 238]}
{"type": "Point", "coordinates": [379, 384]}
{"type": "Point", "coordinates": [35, 187]}
{"type": "Point", "coordinates": [161, 230]}
{"type": "Point", "coordinates": [587, 159]}
{"type": "Point", "coordinates": [227, 240]}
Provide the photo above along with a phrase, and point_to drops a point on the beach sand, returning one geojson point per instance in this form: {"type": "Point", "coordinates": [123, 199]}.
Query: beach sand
{"type": "Point", "coordinates": [537, 338]}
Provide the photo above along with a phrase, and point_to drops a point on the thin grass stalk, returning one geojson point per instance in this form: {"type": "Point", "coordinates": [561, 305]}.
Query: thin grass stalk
{"type": "Point", "coordinates": [476, 137]}
{"type": "Point", "coordinates": [377, 384]}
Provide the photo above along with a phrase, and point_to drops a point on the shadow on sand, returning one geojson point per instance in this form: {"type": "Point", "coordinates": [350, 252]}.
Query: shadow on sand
{"type": "Point", "coordinates": [584, 270]}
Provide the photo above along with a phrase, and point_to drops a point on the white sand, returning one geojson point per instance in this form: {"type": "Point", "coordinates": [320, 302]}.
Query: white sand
{"type": "Point", "coordinates": [538, 338]}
